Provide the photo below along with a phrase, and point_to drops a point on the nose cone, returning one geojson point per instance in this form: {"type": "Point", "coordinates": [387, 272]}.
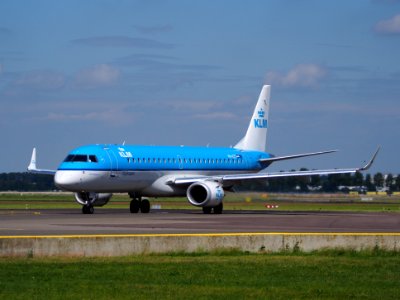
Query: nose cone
{"type": "Point", "coordinates": [68, 180]}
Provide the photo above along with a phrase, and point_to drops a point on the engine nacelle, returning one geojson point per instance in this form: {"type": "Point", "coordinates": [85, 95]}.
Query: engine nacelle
{"type": "Point", "coordinates": [205, 194]}
{"type": "Point", "coordinates": [91, 198]}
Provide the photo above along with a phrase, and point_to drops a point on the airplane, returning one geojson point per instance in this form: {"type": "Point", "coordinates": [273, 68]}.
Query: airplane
{"type": "Point", "coordinates": [202, 174]}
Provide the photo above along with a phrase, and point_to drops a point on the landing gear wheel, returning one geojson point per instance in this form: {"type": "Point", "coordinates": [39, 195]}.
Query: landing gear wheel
{"type": "Point", "coordinates": [87, 209]}
{"type": "Point", "coordinates": [218, 209]}
{"type": "Point", "coordinates": [145, 206]}
{"type": "Point", "coordinates": [134, 206]}
{"type": "Point", "coordinates": [207, 210]}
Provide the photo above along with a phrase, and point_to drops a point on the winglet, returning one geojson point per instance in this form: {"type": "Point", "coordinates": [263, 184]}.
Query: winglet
{"type": "Point", "coordinates": [32, 165]}
{"type": "Point", "coordinates": [369, 164]}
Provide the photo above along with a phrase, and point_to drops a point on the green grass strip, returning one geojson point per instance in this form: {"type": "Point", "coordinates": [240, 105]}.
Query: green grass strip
{"type": "Point", "coordinates": [224, 275]}
{"type": "Point", "coordinates": [299, 202]}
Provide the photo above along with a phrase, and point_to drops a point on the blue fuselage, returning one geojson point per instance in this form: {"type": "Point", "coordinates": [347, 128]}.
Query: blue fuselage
{"type": "Point", "coordinates": [146, 169]}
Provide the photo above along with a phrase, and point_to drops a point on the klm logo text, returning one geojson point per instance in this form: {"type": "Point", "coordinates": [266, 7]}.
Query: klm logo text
{"type": "Point", "coordinates": [260, 123]}
{"type": "Point", "coordinates": [125, 154]}
{"type": "Point", "coordinates": [219, 194]}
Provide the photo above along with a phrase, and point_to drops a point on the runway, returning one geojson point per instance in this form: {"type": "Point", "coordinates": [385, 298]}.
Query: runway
{"type": "Point", "coordinates": [119, 221]}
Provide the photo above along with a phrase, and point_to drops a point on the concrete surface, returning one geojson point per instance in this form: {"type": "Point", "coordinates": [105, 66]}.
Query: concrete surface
{"type": "Point", "coordinates": [120, 245]}
{"type": "Point", "coordinates": [111, 232]}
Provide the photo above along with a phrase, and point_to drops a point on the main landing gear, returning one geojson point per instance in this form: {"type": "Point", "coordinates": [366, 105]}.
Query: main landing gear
{"type": "Point", "coordinates": [217, 209]}
{"type": "Point", "coordinates": [137, 203]}
{"type": "Point", "coordinates": [87, 209]}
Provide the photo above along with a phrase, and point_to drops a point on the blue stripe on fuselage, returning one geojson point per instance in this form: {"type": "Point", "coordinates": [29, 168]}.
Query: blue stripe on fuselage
{"type": "Point", "coordinates": [132, 158]}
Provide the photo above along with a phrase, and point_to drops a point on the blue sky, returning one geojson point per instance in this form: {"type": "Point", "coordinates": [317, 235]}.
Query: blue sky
{"type": "Point", "coordinates": [189, 73]}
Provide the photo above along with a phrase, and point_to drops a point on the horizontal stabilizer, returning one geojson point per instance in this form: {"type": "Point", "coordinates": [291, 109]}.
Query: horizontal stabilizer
{"type": "Point", "coordinates": [277, 158]}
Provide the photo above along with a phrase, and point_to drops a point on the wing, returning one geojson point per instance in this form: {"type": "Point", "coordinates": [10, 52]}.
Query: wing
{"type": "Point", "coordinates": [32, 166]}
{"type": "Point", "coordinates": [234, 178]}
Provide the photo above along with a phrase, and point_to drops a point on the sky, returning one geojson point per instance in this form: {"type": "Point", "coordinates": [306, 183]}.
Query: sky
{"type": "Point", "coordinates": [189, 73]}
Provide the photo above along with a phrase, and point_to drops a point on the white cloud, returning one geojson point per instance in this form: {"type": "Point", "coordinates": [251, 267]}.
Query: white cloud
{"type": "Point", "coordinates": [154, 29]}
{"type": "Point", "coordinates": [41, 80]}
{"type": "Point", "coordinates": [215, 116]}
{"type": "Point", "coordinates": [303, 75]}
{"type": "Point", "coordinates": [121, 41]}
{"type": "Point", "coordinates": [113, 117]}
{"type": "Point", "coordinates": [390, 26]}
{"type": "Point", "coordinates": [87, 116]}
{"type": "Point", "coordinates": [97, 76]}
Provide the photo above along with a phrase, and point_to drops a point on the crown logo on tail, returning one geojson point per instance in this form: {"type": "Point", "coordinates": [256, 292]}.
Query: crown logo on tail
{"type": "Point", "coordinates": [261, 113]}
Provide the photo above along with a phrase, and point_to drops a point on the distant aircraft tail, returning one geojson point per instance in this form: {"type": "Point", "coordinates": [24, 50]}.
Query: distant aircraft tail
{"type": "Point", "coordinates": [256, 135]}
{"type": "Point", "coordinates": [32, 166]}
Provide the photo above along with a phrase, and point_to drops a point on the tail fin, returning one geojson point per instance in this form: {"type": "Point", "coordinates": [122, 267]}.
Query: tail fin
{"type": "Point", "coordinates": [256, 135]}
{"type": "Point", "coordinates": [32, 165]}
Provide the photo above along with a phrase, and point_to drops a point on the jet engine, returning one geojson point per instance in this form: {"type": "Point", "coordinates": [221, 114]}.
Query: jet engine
{"type": "Point", "coordinates": [91, 198]}
{"type": "Point", "coordinates": [205, 194]}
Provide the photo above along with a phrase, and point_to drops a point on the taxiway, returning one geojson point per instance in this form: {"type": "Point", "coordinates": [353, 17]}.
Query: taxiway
{"type": "Point", "coordinates": [120, 221]}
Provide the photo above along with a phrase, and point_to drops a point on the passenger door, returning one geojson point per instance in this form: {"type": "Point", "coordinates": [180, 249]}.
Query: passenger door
{"type": "Point", "coordinates": [113, 159]}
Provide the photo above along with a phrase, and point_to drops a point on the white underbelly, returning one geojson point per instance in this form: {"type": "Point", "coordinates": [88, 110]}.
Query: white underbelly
{"type": "Point", "coordinates": [147, 183]}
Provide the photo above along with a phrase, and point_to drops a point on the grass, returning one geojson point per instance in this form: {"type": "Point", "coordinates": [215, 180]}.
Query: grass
{"type": "Point", "coordinates": [225, 275]}
{"type": "Point", "coordinates": [250, 201]}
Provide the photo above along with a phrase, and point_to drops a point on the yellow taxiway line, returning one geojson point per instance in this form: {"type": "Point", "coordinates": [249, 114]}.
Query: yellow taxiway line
{"type": "Point", "coordinates": [78, 236]}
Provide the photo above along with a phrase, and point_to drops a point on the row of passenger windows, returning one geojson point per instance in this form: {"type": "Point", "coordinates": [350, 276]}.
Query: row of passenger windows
{"type": "Point", "coordinates": [81, 158]}
{"type": "Point", "coordinates": [186, 160]}
{"type": "Point", "coordinates": [93, 158]}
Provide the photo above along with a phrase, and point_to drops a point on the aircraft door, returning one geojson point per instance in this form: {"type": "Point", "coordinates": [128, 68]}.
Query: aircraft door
{"type": "Point", "coordinates": [113, 161]}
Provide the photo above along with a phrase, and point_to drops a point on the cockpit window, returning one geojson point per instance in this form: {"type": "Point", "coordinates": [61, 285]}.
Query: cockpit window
{"type": "Point", "coordinates": [93, 158]}
{"type": "Point", "coordinates": [81, 158]}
